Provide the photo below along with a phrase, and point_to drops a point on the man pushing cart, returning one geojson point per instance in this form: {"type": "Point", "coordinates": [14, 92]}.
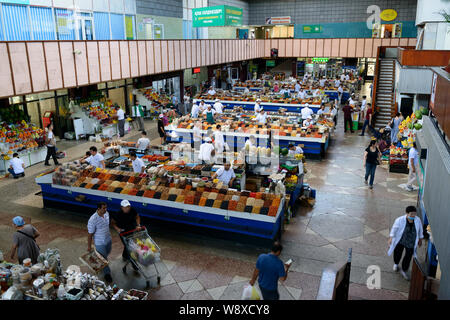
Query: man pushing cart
{"type": "Point", "coordinates": [139, 249]}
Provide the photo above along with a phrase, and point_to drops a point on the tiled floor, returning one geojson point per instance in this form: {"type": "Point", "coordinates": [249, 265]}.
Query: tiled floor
{"type": "Point", "coordinates": [346, 215]}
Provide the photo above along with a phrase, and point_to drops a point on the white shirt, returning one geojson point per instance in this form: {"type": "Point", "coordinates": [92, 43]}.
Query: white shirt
{"type": "Point", "coordinates": [218, 107]}
{"type": "Point", "coordinates": [218, 140]}
{"type": "Point", "coordinates": [347, 77]}
{"type": "Point", "coordinates": [261, 118]}
{"type": "Point", "coordinates": [50, 136]}
{"type": "Point", "coordinates": [16, 164]}
{"type": "Point", "coordinates": [186, 99]}
{"type": "Point", "coordinates": [298, 150]}
{"type": "Point", "coordinates": [143, 143]}
{"type": "Point", "coordinates": [246, 90]}
{"type": "Point", "coordinates": [302, 94]}
{"type": "Point", "coordinates": [211, 92]}
{"type": "Point", "coordinates": [120, 114]}
{"type": "Point", "coordinates": [96, 161]}
{"type": "Point", "coordinates": [320, 111]}
{"type": "Point", "coordinates": [225, 175]}
{"type": "Point", "coordinates": [197, 135]}
{"type": "Point", "coordinates": [306, 111]}
{"type": "Point", "coordinates": [138, 164]}
{"type": "Point", "coordinates": [202, 107]}
{"type": "Point", "coordinates": [297, 87]}
{"type": "Point", "coordinates": [337, 83]}
{"type": "Point", "coordinates": [414, 155]}
{"type": "Point", "coordinates": [340, 90]}
{"type": "Point", "coordinates": [342, 77]}
{"type": "Point", "coordinates": [257, 108]}
{"type": "Point", "coordinates": [195, 110]}
{"type": "Point", "coordinates": [322, 82]}
{"type": "Point", "coordinates": [205, 151]}
{"type": "Point", "coordinates": [316, 92]}
{"type": "Point", "coordinates": [307, 123]}
{"type": "Point", "coordinates": [333, 112]}
{"type": "Point", "coordinates": [99, 227]}
{"type": "Point", "coordinates": [363, 104]}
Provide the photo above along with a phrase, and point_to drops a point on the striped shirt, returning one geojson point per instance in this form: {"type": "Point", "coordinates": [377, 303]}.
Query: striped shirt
{"type": "Point", "coordinates": [99, 227]}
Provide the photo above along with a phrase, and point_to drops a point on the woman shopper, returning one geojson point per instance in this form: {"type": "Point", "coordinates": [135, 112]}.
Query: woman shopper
{"type": "Point", "coordinates": [24, 241]}
{"type": "Point", "coordinates": [395, 122]}
{"type": "Point", "coordinates": [371, 160]}
{"type": "Point", "coordinates": [51, 146]}
{"type": "Point", "coordinates": [161, 131]}
{"type": "Point", "coordinates": [406, 234]}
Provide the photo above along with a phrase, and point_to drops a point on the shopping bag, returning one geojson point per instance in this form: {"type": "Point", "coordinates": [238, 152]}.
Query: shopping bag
{"type": "Point", "coordinates": [251, 293]}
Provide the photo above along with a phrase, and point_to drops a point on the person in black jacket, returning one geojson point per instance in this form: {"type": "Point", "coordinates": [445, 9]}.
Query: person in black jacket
{"type": "Point", "coordinates": [161, 131]}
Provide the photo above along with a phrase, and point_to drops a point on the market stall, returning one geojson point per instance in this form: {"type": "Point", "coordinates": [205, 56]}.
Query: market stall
{"type": "Point", "coordinates": [204, 204]}
{"type": "Point", "coordinates": [25, 139]}
{"type": "Point", "coordinates": [237, 129]}
{"type": "Point", "coordinates": [95, 117]}
{"type": "Point", "coordinates": [45, 280]}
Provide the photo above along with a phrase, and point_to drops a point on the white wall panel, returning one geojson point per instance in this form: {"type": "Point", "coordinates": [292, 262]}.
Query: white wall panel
{"type": "Point", "coordinates": [83, 4]}
{"type": "Point", "coordinates": [116, 6]}
{"type": "Point", "coordinates": [47, 3]}
{"type": "Point", "coordinates": [101, 5]}
{"type": "Point", "coordinates": [63, 3]}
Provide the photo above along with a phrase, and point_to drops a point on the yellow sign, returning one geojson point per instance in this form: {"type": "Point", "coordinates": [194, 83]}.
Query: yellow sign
{"type": "Point", "coordinates": [388, 14]}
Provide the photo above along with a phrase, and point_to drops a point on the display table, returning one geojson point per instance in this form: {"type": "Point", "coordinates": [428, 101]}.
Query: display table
{"type": "Point", "coordinates": [29, 158]}
{"type": "Point", "coordinates": [311, 146]}
{"type": "Point", "coordinates": [268, 106]}
{"type": "Point", "coordinates": [85, 200]}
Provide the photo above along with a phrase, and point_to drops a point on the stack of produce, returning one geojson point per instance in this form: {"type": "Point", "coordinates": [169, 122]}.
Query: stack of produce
{"type": "Point", "coordinates": [103, 112]}
{"type": "Point", "coordinates": [143, 250]}
{"type": "Point", "coordinates": [178, 189]}
{"type": "Point", "coordinates": [156, 98]}
{"type": "Point", "coordinates": [68, 173]}
{"type": "Point", "coordinates": [20, 137]}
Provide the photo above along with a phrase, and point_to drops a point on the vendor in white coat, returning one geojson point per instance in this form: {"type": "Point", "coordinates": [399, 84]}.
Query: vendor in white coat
{"type": "Point", "coordinates": [301, 94]}
{"type": "Point", "coordinates": [218, 106]}
{"type": "Point", "coordinates": [195, 110]}
{"type": "Point", "coordinates": [219, 142]}
{"type": "Point", "coordinates": [306, 111]}
{"type": "Point", "coordinates": [406, 234]}
{"type": "Point", "coordinates": [308, 121]}
{"type": "Point", "coordinates": [261, 118]}
{"type": "Point", "coordinates": [258, 107]}
{"type": "Point", "coordinates": [207, 152]}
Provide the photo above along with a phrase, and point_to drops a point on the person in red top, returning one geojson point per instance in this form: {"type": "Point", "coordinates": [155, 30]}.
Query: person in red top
{"type": "Point", "coordinates": [348, 117]}
{"type": "Point", "coordinates": [368, 119]}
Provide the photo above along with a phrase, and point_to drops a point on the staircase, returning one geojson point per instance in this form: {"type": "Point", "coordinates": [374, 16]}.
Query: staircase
{"type": "Point", "coordinates": [385, 99]}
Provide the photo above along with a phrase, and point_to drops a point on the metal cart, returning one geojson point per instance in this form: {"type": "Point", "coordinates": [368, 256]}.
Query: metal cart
{"type": "Point", "coordinates": [138, 264]}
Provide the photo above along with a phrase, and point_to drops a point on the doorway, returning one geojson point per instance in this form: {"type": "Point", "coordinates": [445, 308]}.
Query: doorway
{"type": "Point", "coordinates": [85, 25]}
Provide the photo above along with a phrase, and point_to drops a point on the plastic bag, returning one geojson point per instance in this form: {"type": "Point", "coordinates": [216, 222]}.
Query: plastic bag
{"type": "Point", "coordinates": [251, 293]}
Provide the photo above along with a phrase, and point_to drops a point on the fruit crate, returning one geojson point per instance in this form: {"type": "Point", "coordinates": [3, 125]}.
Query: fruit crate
{"type": "Point", "coordinates": [398, 168]}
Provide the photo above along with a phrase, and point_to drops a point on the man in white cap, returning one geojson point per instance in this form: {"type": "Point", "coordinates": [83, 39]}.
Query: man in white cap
{"type": "Point", "coordinates": [306, 111]}
{"type": "Point", "coordinates": [225, 174]}
{"type": "Point", "coordinates": [126, 219]}
{"type": "Point", "coordinates": [308, 121]}
{"type": "Point", "coordinates": [261, 118]}
{"type": "Point", "coordinates": [207, 151]}
{"type": "Point", "coordinates": [322, 82]}
{"type": "Point", "coordinates": [257, 108]}
{"type": "Point", "coordinates": [211, 91]}
{"type": "Point", "coordinates": [218, 106]}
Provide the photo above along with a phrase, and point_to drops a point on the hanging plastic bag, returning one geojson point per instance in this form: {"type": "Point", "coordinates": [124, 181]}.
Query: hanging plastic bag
{"type": "Point", "coordinates": [251, 293]}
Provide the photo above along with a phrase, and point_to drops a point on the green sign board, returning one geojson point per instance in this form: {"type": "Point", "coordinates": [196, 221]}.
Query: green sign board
{"type": "Point", "coordinates": [217, 16]}
{"type": "Point", "coordinates": [312, 28]}
{"type": "Point", "coordinates": [270, 63]}
{"type": "Point", "coordinates": [320, 60]}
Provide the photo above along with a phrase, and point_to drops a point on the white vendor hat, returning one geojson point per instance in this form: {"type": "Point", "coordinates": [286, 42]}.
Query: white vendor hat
{"type": "Point", "coordinates": [217, 100]}
{"type": "Point", "coordinates": [306, 104]}
{"type": "Point", "coordinates": [258, 100]}
{"type": "Point", "coordinates": [208, 140]}
{"type": "Point", "coordinates": [125, 203]}
{"type": "Point", "coordinates": [308, 117]}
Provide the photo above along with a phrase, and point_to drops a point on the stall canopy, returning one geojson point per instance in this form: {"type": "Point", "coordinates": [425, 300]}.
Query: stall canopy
{"type": "Point", "coordinates": [217, 16]}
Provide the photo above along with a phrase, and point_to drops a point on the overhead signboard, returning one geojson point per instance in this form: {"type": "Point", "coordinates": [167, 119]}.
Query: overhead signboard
{"type": "Point", "coordinates": [217, 16]}
{"type": "Point", "coordinates": [320, 60]}
{"type": "Point", "coordinates": [270, 63]}
{"type": "Point", "coordinates": [312, 28]}
{"type": "Point", "coordinates": [278, 20]}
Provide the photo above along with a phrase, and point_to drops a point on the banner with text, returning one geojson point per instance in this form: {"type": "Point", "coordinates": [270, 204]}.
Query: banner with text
{"type": "Point", "coordinates": [217, 16]}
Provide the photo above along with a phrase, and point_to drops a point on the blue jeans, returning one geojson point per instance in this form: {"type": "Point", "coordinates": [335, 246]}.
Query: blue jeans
{"type": "Point", "coordinates": [105, 250]}
{"type": "Point", "coordinates": [13, 173]}
{"type": "Point", "coordinates": [270, 294]}
{"type": "Point", "coordinates": [366, 123]}
{"type": "Point", "coordinates": [370, 170]}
